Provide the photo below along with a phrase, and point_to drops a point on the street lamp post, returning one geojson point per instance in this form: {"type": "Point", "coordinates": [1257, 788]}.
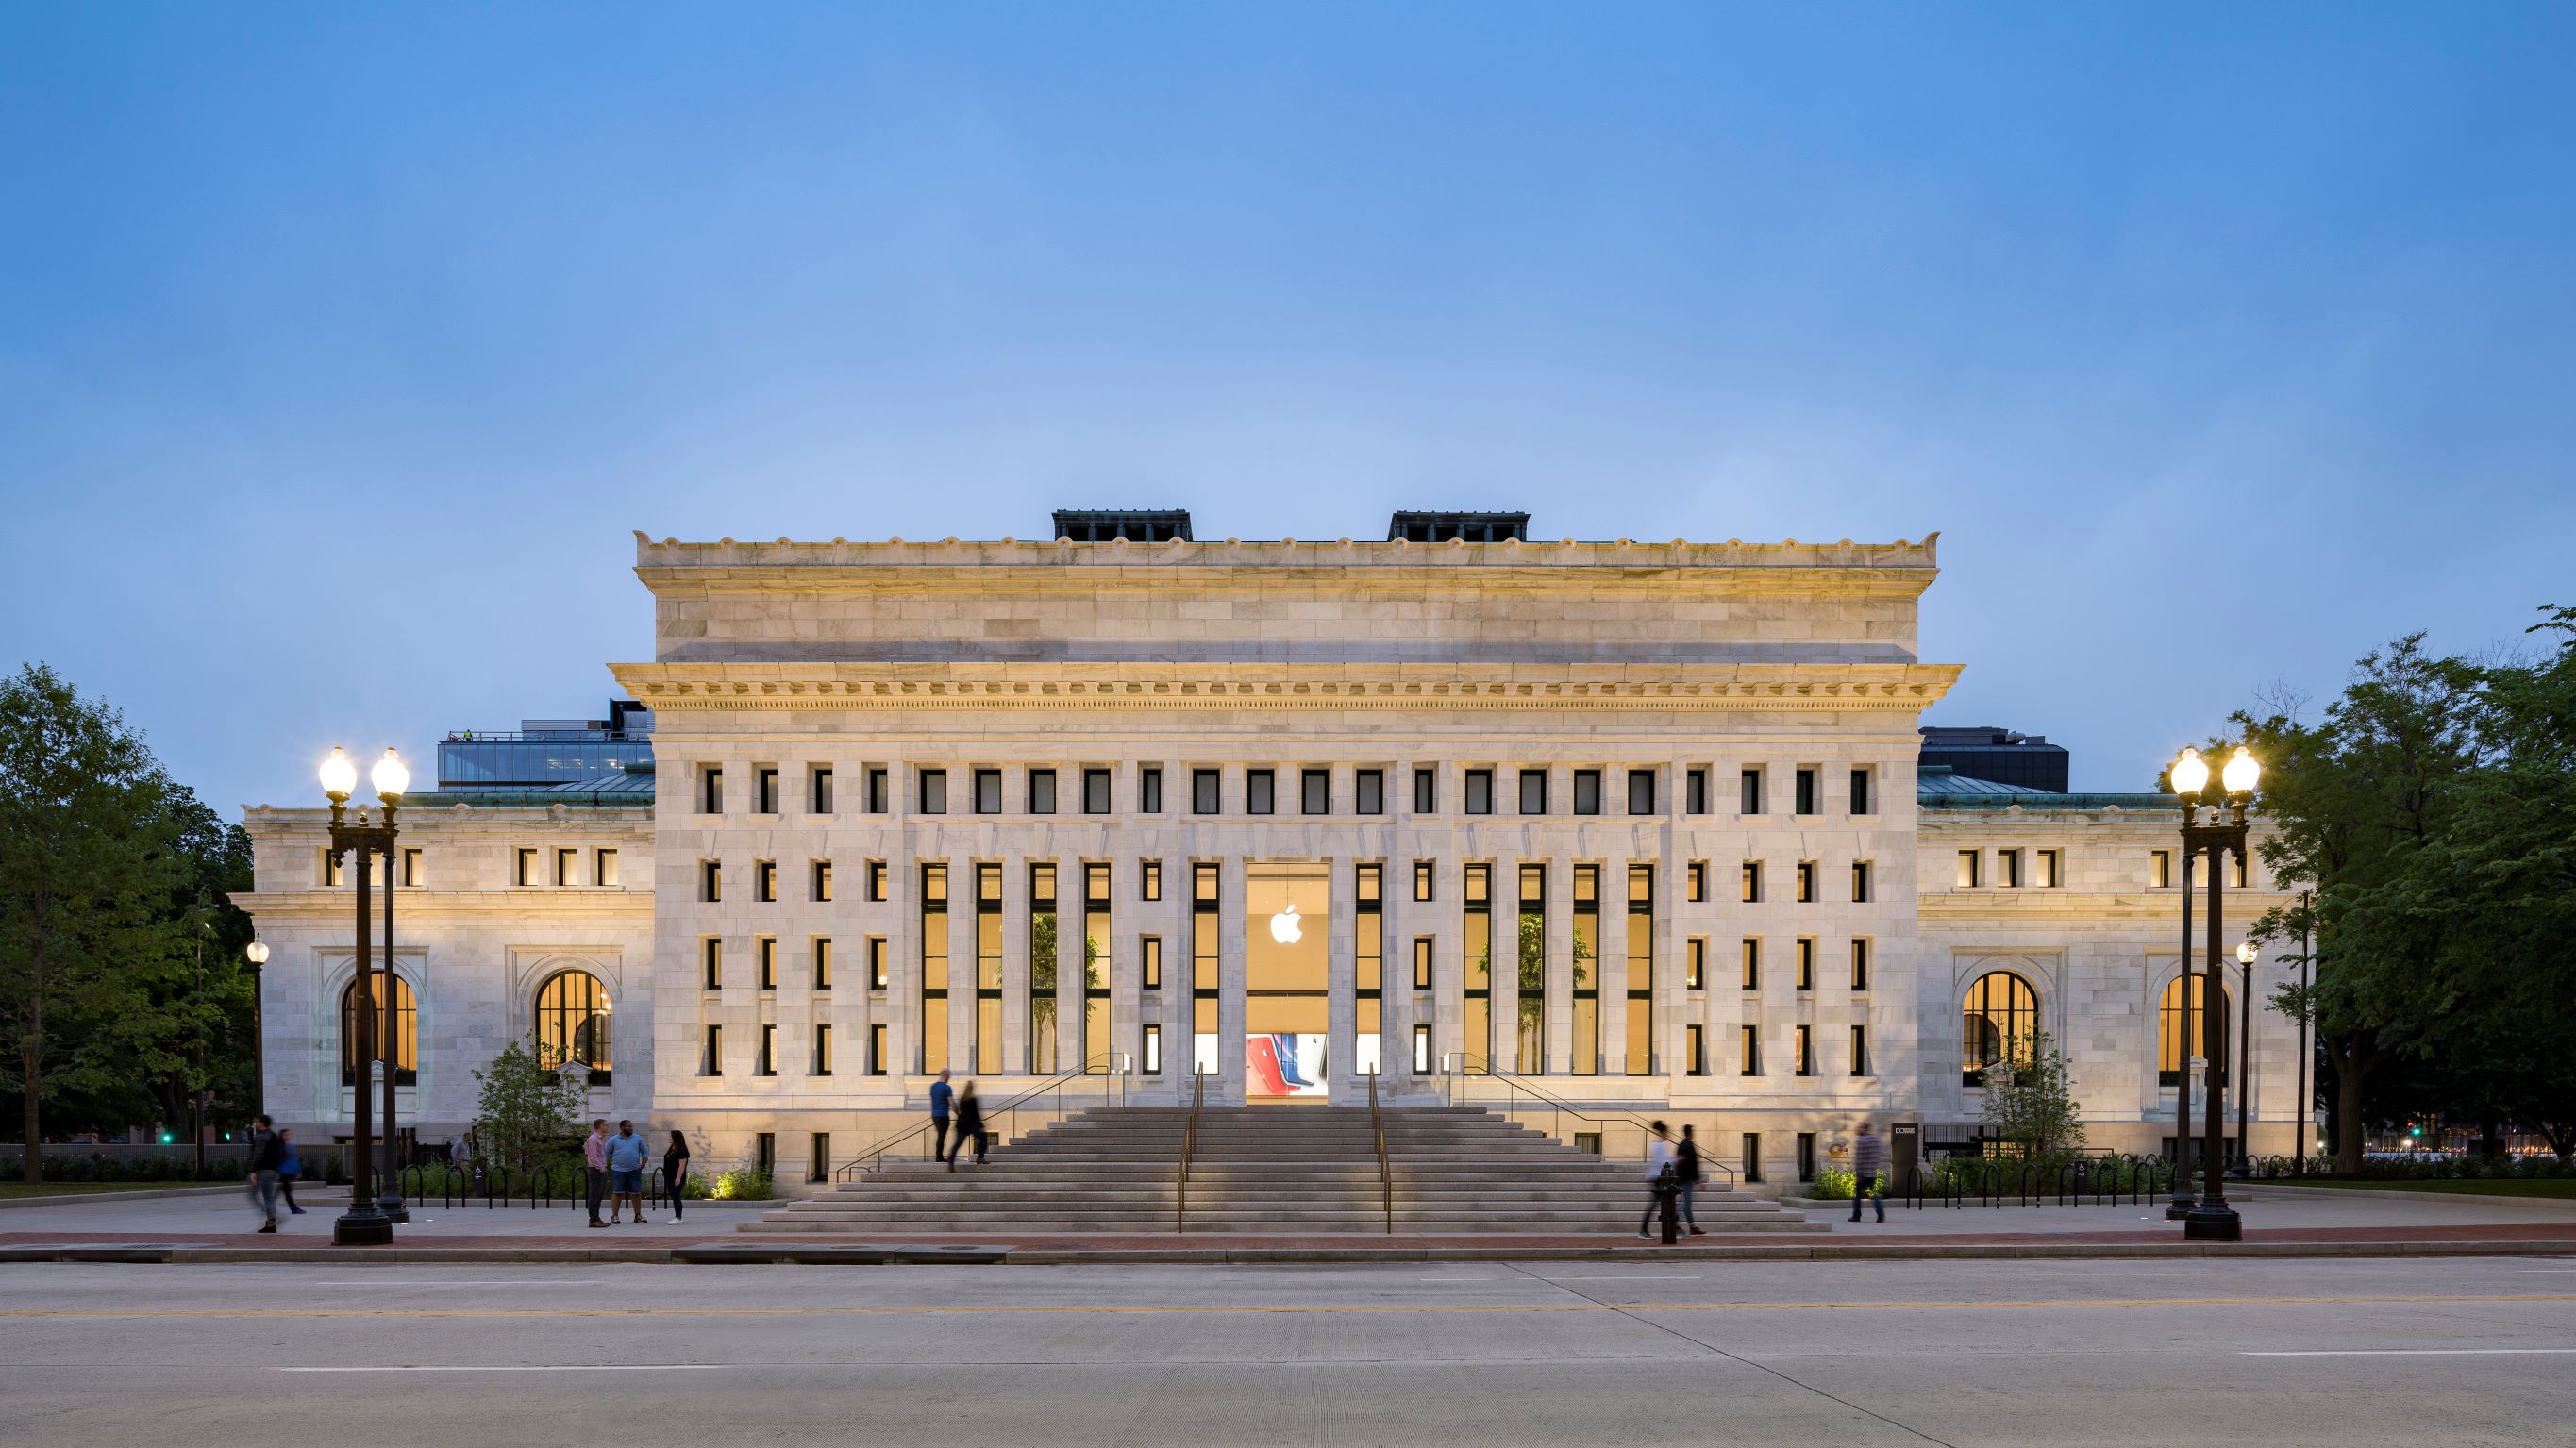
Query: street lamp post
{"type": "Point", "coordinates": [364, 1224]}
{"type": "Point", "coordinates": [257, 953]}
{"type": "Point", "coordinates": [389, 1191]}
{"type": "Point", "coordinates": [2307, 1107]}
{"type": "Point", "coordinates": [2246, 954]}
{"type": "Point", "coordinates": [2182, 1203]}
{"type": "Point", "coordinates": [2213, 1220]}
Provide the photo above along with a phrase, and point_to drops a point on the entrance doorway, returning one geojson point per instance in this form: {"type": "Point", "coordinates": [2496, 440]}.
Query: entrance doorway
{"type": "Point", "coordinates": [1287, 1000]}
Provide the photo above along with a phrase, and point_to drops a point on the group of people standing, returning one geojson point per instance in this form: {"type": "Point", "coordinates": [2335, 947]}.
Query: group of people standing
{"type": "Point", "coordinates": [946, 1104]}
{"type": "Point", "coordinates": [614, 1167]}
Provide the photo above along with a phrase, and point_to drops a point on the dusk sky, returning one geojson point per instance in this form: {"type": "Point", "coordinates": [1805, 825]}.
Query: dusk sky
{"type": "Point", "coordinates": [341, 348]}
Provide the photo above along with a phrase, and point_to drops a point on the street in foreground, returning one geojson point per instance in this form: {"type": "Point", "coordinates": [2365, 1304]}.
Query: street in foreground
{"type": "Point", "coordinates": [2350, 1353]}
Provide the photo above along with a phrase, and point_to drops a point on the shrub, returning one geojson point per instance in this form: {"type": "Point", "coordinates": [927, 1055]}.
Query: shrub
{"type": "Point", "coordinates": [1832, 1183]}
{"type": "Point", "coordinates": [742, 1184]}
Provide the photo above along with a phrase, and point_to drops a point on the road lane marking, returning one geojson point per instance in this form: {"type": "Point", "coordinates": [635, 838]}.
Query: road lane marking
{"type": "Point", "coordinates": [961, 1309]}
{"type": "Point", "coordinates": [484, 1282]}
{"type": "Point", "coordinates": [533, 1368]}
{"type": "Point", "coordinates": [1638, 1277]}
{"type": "Point", "coordinates": [2418, 1352]}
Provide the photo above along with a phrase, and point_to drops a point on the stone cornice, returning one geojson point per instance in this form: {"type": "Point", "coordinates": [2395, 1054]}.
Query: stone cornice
{"type": "Point", "coordinates": [422, 907]}
{"type": "Point", "coordinates": [1907, 687]}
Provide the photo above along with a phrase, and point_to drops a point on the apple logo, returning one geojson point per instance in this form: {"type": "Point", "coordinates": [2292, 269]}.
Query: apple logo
{"type": "Point", "coordinates": [1283, 926]}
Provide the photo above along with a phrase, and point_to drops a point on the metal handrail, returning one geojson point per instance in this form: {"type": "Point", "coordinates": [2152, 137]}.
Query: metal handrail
{"type": "Point", "coordinates": [1385, 1178]}
{"type": "Point", "coordinates": [1517, 1083]}
{"type": "Point", "coordinates": [1189, 1144]}
{"type": "Point", "coordinates": [875, 1155]}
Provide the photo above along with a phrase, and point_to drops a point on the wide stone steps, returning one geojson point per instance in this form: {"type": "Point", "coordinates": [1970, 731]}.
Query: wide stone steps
{"type": "Point", "coordinates": [1265, 1170]}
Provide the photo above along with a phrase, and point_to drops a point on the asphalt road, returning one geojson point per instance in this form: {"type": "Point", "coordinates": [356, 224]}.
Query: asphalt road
{"type": "Point", "coordinates": [2458, 1351]}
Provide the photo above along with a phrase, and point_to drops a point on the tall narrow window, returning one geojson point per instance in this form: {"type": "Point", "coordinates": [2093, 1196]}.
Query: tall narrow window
{"type": "Point", "coordinates": [1864, 793]}
{"type": "Point", "coordinates": [1752, 882]}
{"type": "Point", "coordinates": [1149, 880]}
{"type": "Point", "coordinates": [1426, 789]}
{"type": "Point", "coordinates": [2170, 1053]}
{"type": "Point", "coordinates": [567, 867]}
{"type": "Point", "coordinates": [1806, 1048]}
{"type": "Point", "coordinates": [711, 964]}
{"type": "Point", "coordinates": [333, 871]}
{"type": "Point", "coordinates": [988, 968]}
{"type": "Point", "coordinates": [1695, 963]}
{"type": "Point", "coordinates": [1095, 791]}
{"type": "Point", "coordinates": [1806, 882]}
{"type": "Point", "coordinates": [1149, 790]}
{"type": "Point", "coordinates": [877, 1063]}
{"type": "Point", "coordinates": [1970, 875]}
{"type": "Point", "coordinates": [818, 885]}
{"type": "Point", "coordinates": [1806, 963]}
{"type": "Point", "coordinates": [2008, 869]}
{"type": "Point", "coordinates": [1477, 1045]}
{"type": "Point", "coordinates": [1045, 952]}
{"type": "Point", "coordinates": [1423, 875]}
{"type": "Point", "coordinates": [1533, 791]}
{"type": "Point", "coordinates": [1315, 791]}
{"type": "Point", "coordinates": [1421, 1049]}
{"type": "Point", "coordinates": [1749, 793]}
{"type": "Point", "coordinates": [1860, 1050]}
{"type": "Point", "coordinates": [1753, 1152]}
{"type": "Point", "coordinates": [1149, 962]}
{"type": "Point", "coordinates": [1587, 791]}
{"type": "Point", "coordinates": [1641, 791]}
{"type": "Point", "coordinates": [1206, 793]}
{"type": "Point", "coordinates": [1368, 791]}
{"type": "Point", "coordinates": [1806, 1156]}
{"type": "Point", "coordinates": [1480, 791]}
{"type": "Point", "coordinates": [1860, 965]}
{"type": "Point", "coordinates": [1641, 970]}
{"type": "Point", "coordinates": [711, 1051]}
{"type": "Point", "coordinates": [2236, 870]}
{"type": "Point", "coordinates": [1368, 968]}
{"type": "Point", "coordinates": [411, 874]}
{"type": "Point", "coordinates": [818, 789]}
{"type": "Point", "coordinates": [1204, 922]}
{"type": "Point", "coordinates": [1752, 1050]}
{"type": "Point", "coordinates": [2048, 869]}
{"type": "Point", "coordinates": [934, 969]}
{"type": "Point", "coordinates": [603, 871]}
{"type": "Point", "coordinates": [988, 791]}
{"type": "Point", "coordinates": [764, 794]}
{"type": "Point", "coordinates": [764, 881]}
{"type": "Point", "coordinates": [1694, 1050]}
{"type": "Point", "coordinates": [2160, 869]}
{"type": "Point", "coordinates": [764, 950]}
{"type": "Point", "coordinates": [711, 789]}
{"type": "Point", "coordinates": [523, 871]}
{"type": "Point", "coordinates": [819, 1165]}
{"type": "Point", "coordinates": [767, 1065]}
{"type": "Point", "coordinates": [1422, 962]}
{"type": "Point", "coordinates": [934, 791]}
{"type": "Point", "coordinates": [1695, 792]}
{"type": "Point", "coordinates": [1806, 791]}
{"type": "Point", "coordinates": [1860, 882]}
{"type": "Point", "coordinates": [880, 972]}
{"type": "Point", "coordinates": [1260, 791]}
{"type": "Point", "coordinates": [1536, 989]}
{"type": "Point", "coordinates": [1042, 791]}
{"type": "Point", "coordinates": [1752, 962]}
{"type": "Point", "coordinates": [1696, 887]}
{"type": "Point", "coordinates": [1093, 983]}
{"type": "Point", "coordinates": [876, 888]}
{"type": "Point", "coordinates": [822, 953]}
{"type": "Point", "coordinates": [877, 800]}
{"type": "Point", "coordinates": [1587, 970]}
{"type": "Point", "coordinates": [1151, 1039]}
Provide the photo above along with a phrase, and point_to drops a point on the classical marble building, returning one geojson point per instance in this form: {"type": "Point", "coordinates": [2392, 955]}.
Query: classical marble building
{"type": "Point", "coordinates": [1279, 810]}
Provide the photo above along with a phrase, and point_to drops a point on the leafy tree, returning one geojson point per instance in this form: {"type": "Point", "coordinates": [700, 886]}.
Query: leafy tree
{"type": "Point", "coordinates": [1042, 966]}
{"type": "Point", "coordinates": [93, 851]}
{"type": "Point", "coordinates": [1533, 988]}
{"type": "Point", "coordinates": [525, 1113]}
{"type": "Point", "coordinates": [2028, 1105]}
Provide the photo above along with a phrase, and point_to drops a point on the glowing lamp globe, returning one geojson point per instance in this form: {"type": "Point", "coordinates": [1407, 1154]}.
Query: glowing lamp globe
{"type": "Point", "coordinates": [2246, 953]}
{"type": "Point", "coordinates": [257, 951]}
{"type": "Point", "coordinates": [2241, 772]}
{"type": "Point", "coordinates": [2190, 773]}
{"type": "Point", "coordinates": [390, 776]}
{"type": "Point", "coordinates": [339, 776]}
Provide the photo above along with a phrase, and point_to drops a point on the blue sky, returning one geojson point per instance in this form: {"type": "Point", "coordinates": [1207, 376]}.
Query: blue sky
{"type": "Point", "coordinates": [340, 347]}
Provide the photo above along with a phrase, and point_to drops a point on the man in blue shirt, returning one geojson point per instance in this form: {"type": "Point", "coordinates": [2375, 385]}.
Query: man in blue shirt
{"type": "Point", "coordinates": [626, 1153]}
{"type": "Point", "coordinates": [940, 1097]}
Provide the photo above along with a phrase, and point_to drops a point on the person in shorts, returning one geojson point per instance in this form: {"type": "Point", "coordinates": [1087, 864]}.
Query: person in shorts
{"type": "Point", "coordinates": [626, 1154]}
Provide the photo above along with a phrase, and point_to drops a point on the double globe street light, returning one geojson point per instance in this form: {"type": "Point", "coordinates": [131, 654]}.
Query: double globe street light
{"type": "Point", "coordinates": [369, 1222]}
{"type": "Point", "coordinates": [2209, 1219]}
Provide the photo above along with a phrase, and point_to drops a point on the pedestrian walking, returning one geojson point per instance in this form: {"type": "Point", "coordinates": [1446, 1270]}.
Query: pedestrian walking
{"type": "Point", "coordinates": [266, 1152]}
{"type": "Point", "coordinates": [594, 1163]}
{"type": "Point", "coordinates": [970, 1126]}
{"type": "Point", "coordinates": [941, 1094]}
{"type": "Point", "coordinates": [289, 1168]}
{"type": "Point", "coordinates": [675, 1170]}
{"type": "Point", "coordinates": [1869, 1160]}
{"type": "Point", "coordinates": [1686, 1170]}
{"type": "Point", "coordinates": [626, 1153]}
{"type": "Point", "coordinates": [1659, 1160]}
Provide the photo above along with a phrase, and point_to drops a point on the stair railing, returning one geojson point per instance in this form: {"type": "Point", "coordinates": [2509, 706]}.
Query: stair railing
{"type": "Point", "coordinates": [1458, 1088]}
{"type": "Point", "coordinates": [1385, 1178]}
{"type": "Point", "coordinates": [1189, 1145]}
{"type": "Point", "coordinates": [1108, 1069]}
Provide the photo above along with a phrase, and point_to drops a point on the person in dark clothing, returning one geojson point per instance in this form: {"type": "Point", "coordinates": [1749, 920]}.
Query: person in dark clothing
{"type": "Point", "coordinates": [1869, 1160]}
{"type": "Point", "coordinates": [941, 1094]}
{"type": "Point", "coordinates": [970, 1126]}
{"type": "Point", "coordinates": [675, 1171]}
{"type": "Point", "coordinates": [1686, 1170]}
{"type": "Point", "coordinates": [289, 1168]}
{"type": "Point", "coordinates": [267, 1155]}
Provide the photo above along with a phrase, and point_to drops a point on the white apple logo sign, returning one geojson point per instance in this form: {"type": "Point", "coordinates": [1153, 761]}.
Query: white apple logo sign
{"type": "Point", "coordinates": [1283, 926]}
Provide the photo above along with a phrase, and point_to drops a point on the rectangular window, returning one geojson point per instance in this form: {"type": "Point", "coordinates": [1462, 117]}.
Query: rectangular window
{"type": "Point", "coordinates": [1752, 1038]}
{"type": "Point", "coordinates": [1860, 882]}
{"type": "Point", "coordinates": [876, 882]}
{"type": "Point", "coordinates": [1860, 965]}
{"type": "Point", "coordinates": [1368, 969]}
{"type": "Point", "coordinates": [1149, 880]}
{"type": "Point", "coordinates": [1260, 791]}
{"type": "Point", "coordinates": [1806, 1045]}
{"type": "Point", "coordinates": [1315, 791]}
{"type": "Point", "coordinates": [1587, 791]}
{"type": "Point", "coordinates": [1641, 791]}
{"type": "Point", "coordinates": [1045, 957]}
{"type": "Point", "coordinates": [1533, 791]}
{"type": "Point", "coordinates": [988, 791]}
{"type": "Point", "coordinates": [1149, 790]}
{"type": "Point", "coordinates": [819, 1165]}
{"type": "Point", "coordinates": [711, 964]}
{"type": "Point", "coordinates": [1695, 963]}
{"type": "Point", "coordinates": [1752, 962]}
{"type": "Point", "coordinates": [711, 789]}
{"type": "Point", "coordinates": [764, 949]}
{"type": "Point", "coordinates": [1476, 1036]}
{"type": "Point", "coordinates": [567, 867]}
{"type": "Point", "coordinates": [822, 952]}
{"type": "Point", "coordinates": [1149, 962]}
{"type": "Point", "coordinates": [1529, 958]}
{"type": "Point", "coordinates": [877, 800]}
{"type": "Point", "coordinates": [1749, 795]}
{"type": "Point", "coordinates": [1095, 791]}
{"type": "Point", "coordinates": [1696, 882]}
{"type": "Point", "coordinates": [1153, 1049]}
{"type": "Point", "coordinates": [1695, 792]}
{"type": "Point", "coordinates": [2236, 872]}
{"type": "Point", "coordinates": [1860, 1050]}
{"type": "Point", "coordinates": [1368, 791]}
{"type": "Point", "coordinates": [1806, 963]}
{"type": "Point", "coordinates": [1587, 970]}
{"type": "Point", "coordinates": [822, 1052]}
{"type": "Point", "coordinates": [764, 794]}
{"type": "Point", "coordinates": [1806, 791]}
{"type": "Point", "coordinates": [1205, 795]}
{"type": "Point", "coordinates": [1641, 971]}
{"type": "Point", "coordinates": [1426, 789]}
{"type": "Point", "coordinates": [1864, 794]}
{"type": "Point", "coordinates": [603, 871]}
{"type": "Point", "coordinates": [1806, 1156]}
{"type": "Point", "coordinates": [934, 969]}
{"type": "Point", "coordinates": [2160, 869]}
{"type": "Point", "coordinates": [818, 789]}
{"type": "Point", "coordinates": [880, 972]}
{"type": "Point", "coordinates": [411, 873]}
{"type": "Point", "coordinates": [764, 1153]}
{"type": "Point", "coordinates": [2049, 867]}
{"type": "Point", "coordinates": [2008, 869]}
{"type": "Point", "coordinates": [1204, 933]}
{"type": "Point", "coordinates": [1694, 1051]}
{"type": "Point", "coordinates": [1480, 791]}
{"type": "Point", "coordinates": [818, 885]}
{"type": "Point", "coordinates": [1421, 1049]}
{"type": "Point", "coordinates": [1041, 791]}
{"type": "Point", "coordinates": [1753, 1155]}
{"type": "Point", "coordinates": [711, 1052]}
{"type": "Point", "coordinates": [1752, 882]}
{"type": "Point", "coordinates": [1806, 882]}
{"type": "Point", "coordinates": [934, 791]}
{"type": "Point", "coordinates": [877, 1064]}
{"type": "Point", "coordinates": [1422, 962]}
{"type": "Point", "coordinates": [710, 881]}
{"type": "Point", "coordinates": [985, 1050]}
{"type": "Point", "coordinates": [1096, 1046]}
{"type": "Point", "coordinates": [1423, 875]}
{"type": "Point", "coordinates": [764, 881]}
{"type": "Point", "coordinates": [523, 870]}
{"type": "Point", "coordinates": [1970, 875]}
{"type": "Point", "coordinates": [767, 1065]}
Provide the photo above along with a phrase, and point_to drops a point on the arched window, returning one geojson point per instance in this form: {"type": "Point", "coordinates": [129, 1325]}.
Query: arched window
{"type": "Point", "coordinates": [2169, 1052]}
{"type": "Point", "coordinates": [572, 1023]}
{"type": "Point", "coordinates": [406, 1052]}
{"type": "Point", "coordinates": [2001, 1008]}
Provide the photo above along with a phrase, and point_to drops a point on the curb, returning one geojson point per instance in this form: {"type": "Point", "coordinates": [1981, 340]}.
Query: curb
{"type": "Point", "coordinates": [2385, 1194]}
{"type": "Point", "coordinates": [221, 1189]}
